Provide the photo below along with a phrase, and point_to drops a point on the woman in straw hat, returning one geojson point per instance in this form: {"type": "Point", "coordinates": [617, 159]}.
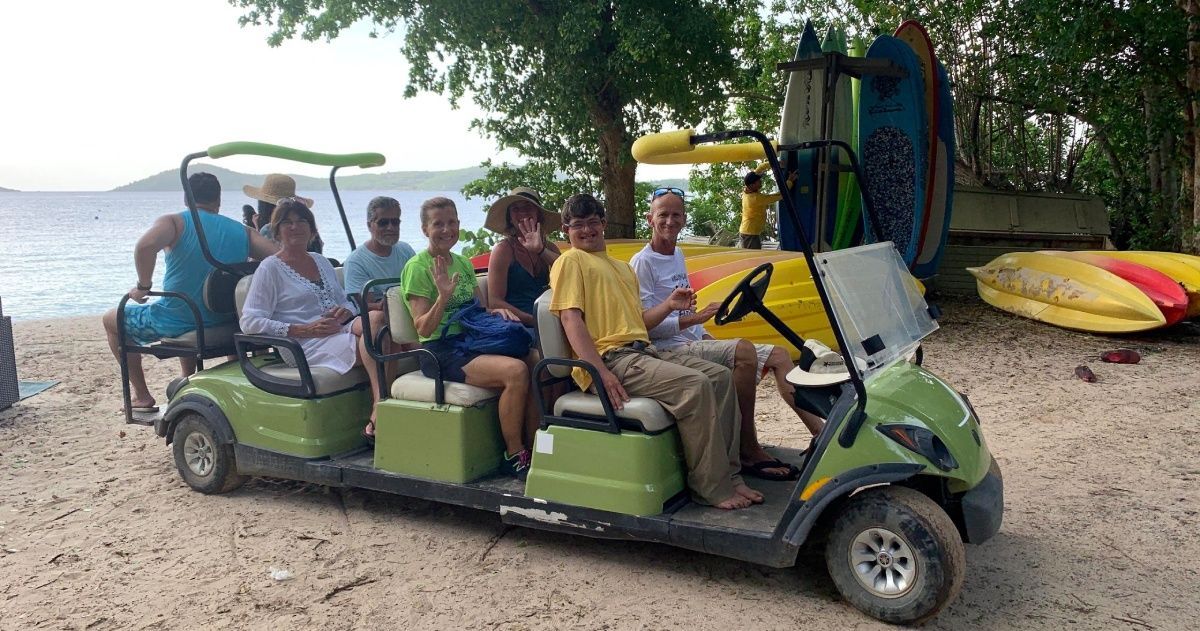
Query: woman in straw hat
{"type": "Point", "coordinates": [277, 186]}
{"type": "Point", "coordinates": [519, 268]}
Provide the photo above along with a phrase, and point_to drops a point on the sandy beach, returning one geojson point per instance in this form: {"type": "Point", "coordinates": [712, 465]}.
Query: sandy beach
{"type": "Point", "coordinates": [97, 531]}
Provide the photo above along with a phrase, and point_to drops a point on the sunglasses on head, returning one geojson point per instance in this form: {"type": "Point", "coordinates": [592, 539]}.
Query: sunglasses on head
{"type": "Point", "coordinates": [666, 190]}
{"type": "Point", "coordinates": [388, 221]}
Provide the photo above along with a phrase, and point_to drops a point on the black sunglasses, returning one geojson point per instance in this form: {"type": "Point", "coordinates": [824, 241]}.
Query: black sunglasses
{"type": "Point", "coordinates": [388, 221]}
{"type": "Point", "coordinates": [666, 190]}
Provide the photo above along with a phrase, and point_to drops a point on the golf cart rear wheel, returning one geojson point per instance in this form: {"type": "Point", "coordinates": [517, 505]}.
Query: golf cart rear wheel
{"type": "Point", "coordinates": [206, 464]}
{"type": "Point", "coordinates": [895, 554]}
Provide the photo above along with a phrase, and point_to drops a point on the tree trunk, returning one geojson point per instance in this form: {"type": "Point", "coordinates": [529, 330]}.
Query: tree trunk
{"type": "Point", "coordinates": [1190, 216]}
{"type": "Point", "coordinates": [617, 170]}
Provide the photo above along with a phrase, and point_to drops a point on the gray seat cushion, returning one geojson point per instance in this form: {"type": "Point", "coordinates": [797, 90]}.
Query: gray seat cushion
{"type": "Point", "coordinates": [327, 381]}
{"type": "Point", "coordinates": [214, 337]}
{"type": "Point", "coordinates": [647, 413]}
{"type": "Point", "coordinates": [415, 386]}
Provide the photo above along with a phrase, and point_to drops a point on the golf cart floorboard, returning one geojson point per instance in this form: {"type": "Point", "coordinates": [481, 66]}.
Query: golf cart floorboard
{"type": "Point", "coordinates": [761, 518]}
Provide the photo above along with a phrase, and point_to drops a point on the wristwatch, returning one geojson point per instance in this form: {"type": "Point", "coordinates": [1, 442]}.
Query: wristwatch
{"type": "Point", "coordinates": [143, 287]}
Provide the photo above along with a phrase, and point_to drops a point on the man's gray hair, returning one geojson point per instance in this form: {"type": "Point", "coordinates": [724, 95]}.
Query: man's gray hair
{"type": "Point", "coordinates": [377, 204]}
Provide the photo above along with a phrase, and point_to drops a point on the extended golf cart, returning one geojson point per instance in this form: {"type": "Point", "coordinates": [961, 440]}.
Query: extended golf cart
{"type": "Point", "coordinates": [898, 479]}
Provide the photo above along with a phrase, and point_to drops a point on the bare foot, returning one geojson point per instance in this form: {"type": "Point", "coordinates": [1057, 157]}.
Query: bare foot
{"type": "Point", "coordinates": [734, 503]}
{"type": "Point", "coordinates": [748, 493]}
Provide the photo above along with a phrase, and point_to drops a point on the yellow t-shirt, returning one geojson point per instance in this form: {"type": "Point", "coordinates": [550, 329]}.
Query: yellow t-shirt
{"type": "Point", "coordinates": [754, 211]}
{"type": "Point", "coordinates": [606, 291]}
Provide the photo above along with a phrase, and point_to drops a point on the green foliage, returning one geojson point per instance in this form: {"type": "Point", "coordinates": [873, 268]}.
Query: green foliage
{"type": "Point", "coordinates": [569, 85]}
{"type": "Point", "coordinates": [476, 242]}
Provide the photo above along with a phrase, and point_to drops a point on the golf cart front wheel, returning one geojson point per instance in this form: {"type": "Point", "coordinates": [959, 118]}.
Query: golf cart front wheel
{"type": "Point", "coordinates": [206, 464]}
{"type": "Point", "coordinates": [896, 555]}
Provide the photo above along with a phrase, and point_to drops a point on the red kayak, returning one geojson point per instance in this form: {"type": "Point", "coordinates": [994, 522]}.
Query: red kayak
{"type": "Point", "coordinates": [1167, 294]}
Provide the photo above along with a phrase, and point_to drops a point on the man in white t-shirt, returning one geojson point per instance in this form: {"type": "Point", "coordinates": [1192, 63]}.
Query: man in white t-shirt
{"type": "Point", "coordinates": [660, 270]}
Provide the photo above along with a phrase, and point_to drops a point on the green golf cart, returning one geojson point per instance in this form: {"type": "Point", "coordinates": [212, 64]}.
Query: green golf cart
{"type": "Point", "coordinates": [893, 486]}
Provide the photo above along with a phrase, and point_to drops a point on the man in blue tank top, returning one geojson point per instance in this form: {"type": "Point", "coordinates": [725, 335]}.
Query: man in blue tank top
{"type": "Point", "coordinates": [228, 240]}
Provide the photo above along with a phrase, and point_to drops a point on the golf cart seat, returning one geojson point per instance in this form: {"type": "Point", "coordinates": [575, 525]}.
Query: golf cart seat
{"type": "Point", "coordinates": [276, 376]}
{"type": "Point", "coordinates": [412, 384]}
{"type": "Point", "coordinates": [639, 414]}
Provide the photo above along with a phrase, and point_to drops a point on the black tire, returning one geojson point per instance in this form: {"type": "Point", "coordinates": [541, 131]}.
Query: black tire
{"type": "Point", "coordinates": [899, 520]}
{"type": "Point", "coordinates": [211, 468]}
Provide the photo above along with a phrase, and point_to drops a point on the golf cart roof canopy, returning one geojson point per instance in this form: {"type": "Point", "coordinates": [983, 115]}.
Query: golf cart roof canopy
{"type": "Point", "coordinates": [361, 160]}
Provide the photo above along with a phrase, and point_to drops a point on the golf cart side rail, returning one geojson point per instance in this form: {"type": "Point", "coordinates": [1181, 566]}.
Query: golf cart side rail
{"type": "Point", "coordinates": [679, 142]}
{"type": "Point", "coordinates": [243, 148]}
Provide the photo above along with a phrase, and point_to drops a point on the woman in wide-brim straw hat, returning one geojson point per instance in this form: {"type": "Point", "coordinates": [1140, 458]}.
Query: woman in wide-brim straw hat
{"type": "Point", "coordinates": [277, 186]}
{"type": "Point", "coordinates": [519, 268]}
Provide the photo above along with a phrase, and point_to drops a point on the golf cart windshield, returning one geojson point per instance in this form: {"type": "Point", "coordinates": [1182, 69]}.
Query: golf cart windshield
{"type": "Point", "coordinates": [877, 304]}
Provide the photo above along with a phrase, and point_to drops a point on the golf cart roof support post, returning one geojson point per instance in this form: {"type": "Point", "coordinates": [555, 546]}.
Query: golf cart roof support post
{"type": "Point", "coordinates": [337, 198]}
{"type": "Point", "coordinates": [847, 436]}
{"type": "Point", "coordinates": [190, 200]}
{"type": "Point", "coordinates": [868, 201]}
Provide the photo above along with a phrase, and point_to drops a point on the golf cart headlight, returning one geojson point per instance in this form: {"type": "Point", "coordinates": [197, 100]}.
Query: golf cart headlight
{"type": "Point", "coordinates": [921, 441]}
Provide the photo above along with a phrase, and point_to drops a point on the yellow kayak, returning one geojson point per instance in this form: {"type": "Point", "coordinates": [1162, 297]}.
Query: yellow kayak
{"type": "Point", "coordinates": [1066, 293]}
{"type": "Point", "coordinates": [1182, 268]}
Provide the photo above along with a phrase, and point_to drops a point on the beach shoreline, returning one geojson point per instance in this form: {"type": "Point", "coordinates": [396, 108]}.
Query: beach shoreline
{"type": "Point", "coordinates": [97, 531]}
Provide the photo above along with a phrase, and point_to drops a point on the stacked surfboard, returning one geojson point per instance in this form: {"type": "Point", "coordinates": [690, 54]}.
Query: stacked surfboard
{"type": "Point", "coordinates": [1098, 291]}
{"type": "Point", "coordinates": [903, 130]}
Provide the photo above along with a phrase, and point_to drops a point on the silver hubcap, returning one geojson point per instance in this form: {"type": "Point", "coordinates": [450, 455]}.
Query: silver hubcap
{"type": "Point", "coordinates": [883, 562]}
{"type": "Point", "coordinates": [198, 453]}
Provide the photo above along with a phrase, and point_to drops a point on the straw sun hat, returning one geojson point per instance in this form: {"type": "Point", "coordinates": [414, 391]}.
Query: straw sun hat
{"type": "Point", "coordinates": [275, 186]}
{"type": "Point", "coordinates": [497, 214]}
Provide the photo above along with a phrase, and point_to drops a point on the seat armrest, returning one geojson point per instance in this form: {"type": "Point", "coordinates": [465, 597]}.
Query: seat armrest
{"type": "Point", "coordinates": [245, 342]}
{"type": "Point", "coordinates": [610, 424]}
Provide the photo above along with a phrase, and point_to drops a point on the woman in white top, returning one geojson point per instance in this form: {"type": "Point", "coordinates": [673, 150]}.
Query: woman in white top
{"type": "Point", "coordinates": [296, 294]}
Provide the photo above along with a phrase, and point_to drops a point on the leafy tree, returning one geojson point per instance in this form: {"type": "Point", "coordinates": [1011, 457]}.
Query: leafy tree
{"type": "Point", "coordinates": [569, 85]}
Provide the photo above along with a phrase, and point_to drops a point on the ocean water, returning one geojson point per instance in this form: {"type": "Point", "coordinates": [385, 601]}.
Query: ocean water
{"type": "Point", "coordinates": [65, 254]}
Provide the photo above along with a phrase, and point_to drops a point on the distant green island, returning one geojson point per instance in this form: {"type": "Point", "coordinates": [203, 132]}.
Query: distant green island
{"type": "Point", "coordinates": [452, 180]}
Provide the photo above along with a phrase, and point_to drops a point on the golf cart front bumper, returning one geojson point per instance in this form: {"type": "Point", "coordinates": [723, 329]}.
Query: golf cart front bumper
{"type": "Point", "coordinates": [983, 507]}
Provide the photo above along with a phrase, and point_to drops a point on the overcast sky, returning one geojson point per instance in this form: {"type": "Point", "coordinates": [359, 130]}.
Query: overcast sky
{"type": "Point", "coordinates": [100, 93]}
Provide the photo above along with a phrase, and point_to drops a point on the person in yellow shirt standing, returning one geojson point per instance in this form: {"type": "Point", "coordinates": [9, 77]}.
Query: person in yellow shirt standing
{"type": "Point", "coordinates": [597, 300]}
{"type": "Point", "coordinates": [754, 207]}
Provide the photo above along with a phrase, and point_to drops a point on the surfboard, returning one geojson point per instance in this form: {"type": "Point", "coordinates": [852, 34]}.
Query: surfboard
{"type": "Point", "coordinates": [937, 228]}
{"type": "Point", "coordinates": [801, 122]}
{"type": "Point", "coordinates": [837, 181]}
{"type": "Point", "coordinates": [849, 211]}
{"type": "Point", "coordinates": [891, 130]}
{"type": "Point", "coordinates": [912, 33]}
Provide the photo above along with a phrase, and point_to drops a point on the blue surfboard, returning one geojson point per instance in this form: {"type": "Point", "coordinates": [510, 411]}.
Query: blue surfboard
{"type": "Point", "coordinates": [893, 140]}
{"type": "Point", "coordinates": [801, 122]}
{"type": "Point", "coordinates": [938, 227]}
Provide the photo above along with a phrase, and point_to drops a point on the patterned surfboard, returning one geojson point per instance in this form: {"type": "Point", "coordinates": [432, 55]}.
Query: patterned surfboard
{"type": "Point", "coordinates": [891, 116]}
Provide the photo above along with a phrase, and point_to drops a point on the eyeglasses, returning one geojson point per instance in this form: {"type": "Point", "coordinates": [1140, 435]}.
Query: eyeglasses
{"type": "Point", "coordinates": [580, 225]}
{"type": "Point", "coordinates": [666, 190]}
{"type": "Point", "coordinates": [388, 221]}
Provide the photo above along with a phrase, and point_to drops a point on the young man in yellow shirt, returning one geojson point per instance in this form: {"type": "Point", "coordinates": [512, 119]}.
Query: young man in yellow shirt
{"type": "Point", "coordinates": [596, 298]}
{"type": "Point", "coordinates": [754, 207]}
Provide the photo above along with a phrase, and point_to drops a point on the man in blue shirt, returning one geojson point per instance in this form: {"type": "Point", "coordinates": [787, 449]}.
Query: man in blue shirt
{"type": "Point", "coordinates": [383, 255]}
{"type": "Point", "coordinates": [229, 242]}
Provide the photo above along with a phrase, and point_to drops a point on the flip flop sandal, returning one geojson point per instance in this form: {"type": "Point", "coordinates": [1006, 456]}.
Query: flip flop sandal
{"type": "Point", "coordinates": [760, 470]}
{"type": "Point", "coordinates": [144, 409]}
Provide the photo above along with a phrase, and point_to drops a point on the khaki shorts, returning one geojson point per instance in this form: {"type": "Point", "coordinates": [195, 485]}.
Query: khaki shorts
{"type": "Point", "coordinates": [722, 352]}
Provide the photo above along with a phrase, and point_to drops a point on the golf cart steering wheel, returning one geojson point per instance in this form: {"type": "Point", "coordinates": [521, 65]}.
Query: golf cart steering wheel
{"type": "Point", "coordinates": [746, 296]}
